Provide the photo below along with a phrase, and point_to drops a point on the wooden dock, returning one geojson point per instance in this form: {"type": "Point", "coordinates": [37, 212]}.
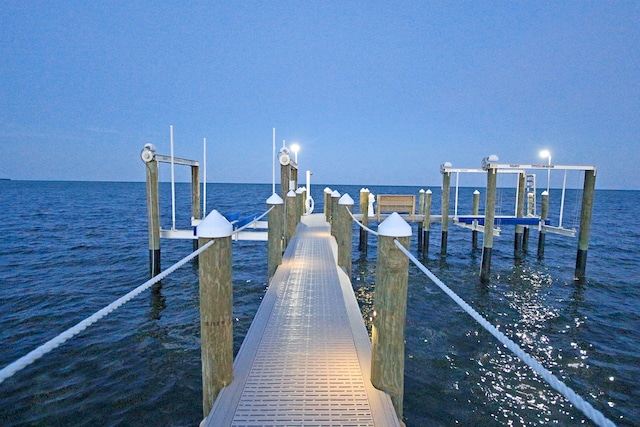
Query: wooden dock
{"type": "Point", "coordinates": [306, 360]}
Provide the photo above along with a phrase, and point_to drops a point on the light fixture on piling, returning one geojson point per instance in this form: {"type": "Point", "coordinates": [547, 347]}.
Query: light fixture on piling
{"type": "Point", "coordinates": [295, 148]}
{"type": "Point", "coordinates": [547, 154]}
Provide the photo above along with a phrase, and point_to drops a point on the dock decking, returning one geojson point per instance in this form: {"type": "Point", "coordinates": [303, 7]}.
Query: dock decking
{"type": "Point", "coordinates": [307, 356]}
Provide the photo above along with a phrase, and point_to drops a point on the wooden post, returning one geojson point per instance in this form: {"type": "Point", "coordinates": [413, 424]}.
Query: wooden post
{"type": "Point", "coordinates": [299, 203]}
{"type": "Point", "coordinates": [364, 208]}
{"type": "Point", "coordinates": [327, 204]}
{"type": "Point", "coordinates": [153, 211]}
{"type": "Point", "coordinates": [544, 214]}
{"type": "Point", "coordinates": [216, 303]}
{"type": "Point", "coordinates": [195, 197]}
{"type": "Point", "coordinates": [275, 233]}
{"type": "Point", "coordinates": [476, 211]}
{"type": "Point", "coordinates": [426, 223]}
{"type": "Point", "coordinates": [517, 241]}
{"type": "Point", "coordinates": [420, 212]}
{"type": "Point", "coordinates": [389, 314]}
{"type": "Point", "coordinates": [335, 196]}
{"type": "Point", "coordinates": [344, 232]}
{"type": "Point", "coordinates": [489, 216]}
{"type": "Point", "coordinates": [290, 221]}
{"type": "Point", "coordinates": [285, 176]}
{"type": "Point", "coordinates": [446, 185]}
{"type": "Point", "coordinates": [585, 223]}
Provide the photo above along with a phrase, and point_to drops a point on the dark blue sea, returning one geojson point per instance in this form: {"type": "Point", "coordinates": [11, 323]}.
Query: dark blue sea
{"type": "Point", "coordinates": [67, 249]}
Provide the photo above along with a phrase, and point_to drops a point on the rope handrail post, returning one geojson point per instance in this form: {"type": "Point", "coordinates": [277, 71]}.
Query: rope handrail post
{"type": "Point", "coordinates": [364, 207]}
{"type": "Point", "coordinates": [335, 196]}
{"type": "Point", "coordinates": [275, 234]}
{"type": "Point", "coordinates": [390, 306]}
{"type": "Point", "coordinates": [290, 213]}
{"type": "Point", "coordinates": [344, 232]}
{"type": "Point", "coordinates": [153, 208]}
{"type": "Point", "coordinates": [585, 223]}
{"type": "Point", "coordinates": [216, 305]}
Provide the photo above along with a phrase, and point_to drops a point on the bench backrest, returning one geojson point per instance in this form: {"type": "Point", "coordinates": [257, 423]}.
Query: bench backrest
{"type": "Point", "coordinates": [400, 203]}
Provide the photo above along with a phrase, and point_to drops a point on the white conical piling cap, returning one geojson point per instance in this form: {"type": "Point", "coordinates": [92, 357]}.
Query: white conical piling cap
{"type": "Point", "coordinates": [429, 191]}
{"type": "Point", "coordinates": [421, 190]}
{"type": "Point", "coordinates": [476, 192]}
{"type": "Point", "coordinates": [335, 193]}
{"type": "Point", "coordinates": [291, 193]}
{"type": "Point", "coordinates": [275, 200]}
{"type": "Point", "coordinates": [345, 200]}
{"type": "Point", "coordinates": [394, 226]}
{"type": "Point", "coordinates": [214, 225]}
{"type": "Point", "coordinates": [300, 190]}
{"type": "Point", "coordinates": [327, 190]}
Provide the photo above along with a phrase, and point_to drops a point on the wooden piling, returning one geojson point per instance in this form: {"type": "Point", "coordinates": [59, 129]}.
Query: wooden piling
{"type": "Point", "coordinates": [327, 204]}
{"type": "Point", "coordinates": [364, 207]}
{"type": "Point", "coordinates": [344, 232]}
{"type": "Point", "coordinates": [291, 219]}
{"type": "Point", "coordinates": [585, 223]}
{"type": "Point", "coordinates": [476, 211]}
{"type": "Point", "coordinates": [153, 215]}
{"type": "Point", "coordinates": [195, 197]}
{"type": "Point", "coordinates": [446, 185]}
{"type": "Point", "coordinates": [517, 240]}
{"type": "Point", "coordinates": [420, 212]}
{"type": "Point", "coordinates": [389, 315]}
{"type": "Point", "coordinates": [216, 303]}
{"type": "Point", "coordinates": [335, 196]}
{"type": "Point", "coordinates": [299, 203]}
{"type": "Point", "coordinates": [544, 214]}
{"type": "Point", "coordinates": [275, 233]}
{"type": "Point", "coordinates": [426, 222]}
{"type": "Point", "coordinates": [489, 217]}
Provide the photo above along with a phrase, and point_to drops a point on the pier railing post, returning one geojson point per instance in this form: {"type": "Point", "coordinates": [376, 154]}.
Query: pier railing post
{"type": "Point", "coordinates": [489, 216]}
{"type": "Point", "coordinates": [475, 211]}
{"type": "Point", "coordinates": [216, 302]}
{"type": "Point", "coordinates": [585, 223]}
{"type": "Point", "coordinates": [544, 214]}
{"type": "Point", "coordinates": [344, 232]}
{"type": "Point", "coordinates": [364, 206]}
{"type": "Point", "coordinates": [275, 233]}
{"type": "Point", "coordinates": [446, 186]}
{"type": "Point", "coordinates": [335, 196]}
{"type": "Point", "coordinates": [327, 204]}
{"type": "Point", "coordinates": [153, 208]}
{"type": "Point", "coordinates": [291, 218]}
{"type": "Point", "coordinates": [390, 306]}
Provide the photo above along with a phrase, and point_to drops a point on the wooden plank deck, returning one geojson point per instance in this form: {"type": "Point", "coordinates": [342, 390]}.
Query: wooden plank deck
{"type": "Point", "coordinates": [306, 360]}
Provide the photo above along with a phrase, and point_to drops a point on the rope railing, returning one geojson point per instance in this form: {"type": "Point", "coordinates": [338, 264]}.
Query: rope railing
{"type": "Point", "coordinates": [53, 343]}
{"type": "Point", "coordinates": [375, 233]}
{"type": "Point", "coordinates": [584, 406]}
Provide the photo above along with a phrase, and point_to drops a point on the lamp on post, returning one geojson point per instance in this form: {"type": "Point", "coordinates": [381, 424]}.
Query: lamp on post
{"type": "Point", "coordinates": [295, 148]}
{"type": "Point", "coordinates": [546, 153]}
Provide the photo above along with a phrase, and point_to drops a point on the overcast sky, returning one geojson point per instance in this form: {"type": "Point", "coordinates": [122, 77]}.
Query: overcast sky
{"type": "Point", "coordinates": [374, 92]}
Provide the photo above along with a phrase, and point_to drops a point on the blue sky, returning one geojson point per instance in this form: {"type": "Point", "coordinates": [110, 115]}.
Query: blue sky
{"type": "Point", "coordinates": [374, 92]}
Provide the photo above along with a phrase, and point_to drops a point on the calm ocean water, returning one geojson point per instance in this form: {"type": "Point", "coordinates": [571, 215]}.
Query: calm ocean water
{"type": "Point", "coordinates": [68, 249]}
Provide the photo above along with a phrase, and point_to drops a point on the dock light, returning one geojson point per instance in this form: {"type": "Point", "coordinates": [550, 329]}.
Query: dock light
{"type": "Point", "coordinates": [546, 153]}
{"type": "Point", "coordinates": [295, 148]}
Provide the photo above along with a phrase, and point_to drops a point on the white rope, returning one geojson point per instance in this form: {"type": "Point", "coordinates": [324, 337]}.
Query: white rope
{"type": "Point", "coordinates": [375, 233]}
{"type": "Point", "coordinates": [584, 406]}
{"type": "Point", "coordinates": [52, 344]}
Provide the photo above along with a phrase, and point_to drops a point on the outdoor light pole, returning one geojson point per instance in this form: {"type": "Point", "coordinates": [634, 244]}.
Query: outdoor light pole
{"type": "Point", "coordinates": [546, 153]}
{"type": "Point", "coordinates": [295, 148]}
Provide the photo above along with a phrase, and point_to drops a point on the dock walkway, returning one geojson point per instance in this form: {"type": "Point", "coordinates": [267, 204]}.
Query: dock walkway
{"type": "Point", "coordinates": [307, 356]}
